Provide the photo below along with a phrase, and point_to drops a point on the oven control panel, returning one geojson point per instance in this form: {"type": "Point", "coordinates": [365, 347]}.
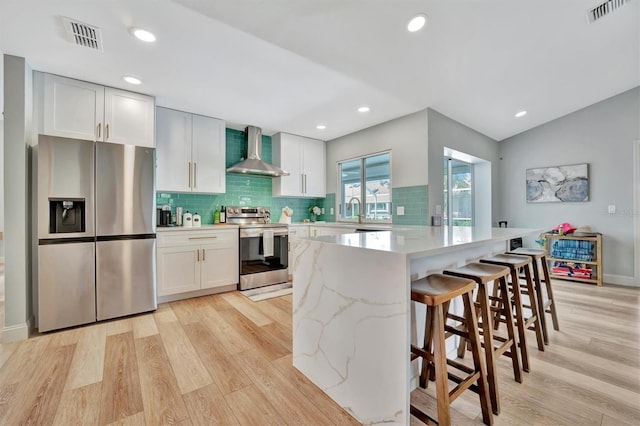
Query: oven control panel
{"type": "Point", "coordinates": [248, 215]}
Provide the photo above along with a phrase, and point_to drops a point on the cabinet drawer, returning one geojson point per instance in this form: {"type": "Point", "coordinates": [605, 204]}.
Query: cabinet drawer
{"type": "Point", "coordinates": [218, 238]}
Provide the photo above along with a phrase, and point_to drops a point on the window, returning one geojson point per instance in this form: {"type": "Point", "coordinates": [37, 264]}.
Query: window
{"type": "Point", "coordinates": [458, 193]}
{"type": "Point", "coordinates": [365, 188]}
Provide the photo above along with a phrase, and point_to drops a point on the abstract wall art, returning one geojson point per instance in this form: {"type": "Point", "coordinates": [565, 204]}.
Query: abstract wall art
{"type": "Point", "coordinates": [558, 184]}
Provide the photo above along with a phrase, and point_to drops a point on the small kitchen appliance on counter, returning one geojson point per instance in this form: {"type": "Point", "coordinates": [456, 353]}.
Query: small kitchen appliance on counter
{"type": "Point", "coordinates": [264, 247]}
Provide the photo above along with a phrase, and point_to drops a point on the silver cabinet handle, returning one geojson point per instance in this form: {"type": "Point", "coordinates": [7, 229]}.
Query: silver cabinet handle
{"type": "Point", "coordinates": [203, 259]}
{"type": "Point", "coordinates": [99, 130]}
{"type": "Point", "coordinates": [302, 183]}
{"type": "Point", "coordinates": [107, 129]}
{"type": "Point", "coordinates": [189, 174]}
{"type": "Point", "coordinates": [198, 254]}
{"type": "Point", "coordinates": [203, 238]}
{"type": "Point", "coordinates": [195, 175]}
{"type": "Point", "coordinates": [305, 183]}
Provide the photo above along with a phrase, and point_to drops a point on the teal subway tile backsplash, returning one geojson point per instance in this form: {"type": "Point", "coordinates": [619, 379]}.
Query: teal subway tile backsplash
{"type": "Point", "coordinates": [414, 200]}
{"type": "Point", "coordinates": [241, 190]}
{"type": "Point", "coordinates": [328, 203]}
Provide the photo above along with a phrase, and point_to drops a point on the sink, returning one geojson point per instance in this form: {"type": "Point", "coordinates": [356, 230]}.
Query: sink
{"type": "Point", "coordinates": [369, 230]}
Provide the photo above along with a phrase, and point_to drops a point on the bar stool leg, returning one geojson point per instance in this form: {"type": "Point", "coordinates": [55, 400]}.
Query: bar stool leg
{"type": "Point", "coordinates": [474, 339]}
{"type": "Point", "coordinates": [515, 358]}
{"type": "Point", "coordinates": [425, 372]}
{"type": "Point", "coordinates": [547, 282]}
{"type": "Point", "coordinates": [534, 307]}
{"type": "Point", "coordinates": [440, 361]}
{"type": "Point", "coordinates": [540, 298]}
{"type": "Point", "coordinates": [487, 336]}
{"type": "Point", "coordinates": [524, 353]}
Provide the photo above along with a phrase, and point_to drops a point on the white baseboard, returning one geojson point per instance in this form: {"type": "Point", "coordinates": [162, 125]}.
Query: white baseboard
{"type": "Point", "coordinates": [621, 280]}
{"type": "Point", "coordinates": [13, 333]}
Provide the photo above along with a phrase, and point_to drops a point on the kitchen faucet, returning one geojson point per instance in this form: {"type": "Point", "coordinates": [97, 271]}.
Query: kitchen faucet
{"type": "Point", "coordinates": [350, 206]}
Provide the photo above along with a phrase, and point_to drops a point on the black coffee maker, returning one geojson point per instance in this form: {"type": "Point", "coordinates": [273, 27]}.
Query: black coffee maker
{"type": "Point", "coordinates": [163, 216]}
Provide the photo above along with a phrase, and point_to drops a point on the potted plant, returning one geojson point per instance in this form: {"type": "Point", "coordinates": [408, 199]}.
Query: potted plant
{"type": "Point", "coordinates": [315, 211]}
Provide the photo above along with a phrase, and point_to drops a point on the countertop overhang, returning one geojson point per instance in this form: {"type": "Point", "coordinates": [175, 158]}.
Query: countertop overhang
{"type": "Point", "coordinates": [420, 241]}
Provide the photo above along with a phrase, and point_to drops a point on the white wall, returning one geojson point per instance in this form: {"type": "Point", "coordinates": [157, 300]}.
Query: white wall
{"type": "Point", "coordinates": [445, 132]}
{"type": "Point", "coordinates": [406, 137]}
{"type": "Point", "coordinates": [601, 135]}
{"type": "Point", "coordinates": [1, 178]}
{"type": "Point", "coordinates": [17, 137]}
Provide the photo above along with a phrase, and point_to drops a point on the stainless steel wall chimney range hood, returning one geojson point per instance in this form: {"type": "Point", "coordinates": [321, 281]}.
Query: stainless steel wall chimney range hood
{"type": "Point", "coordinates": [254, 165]}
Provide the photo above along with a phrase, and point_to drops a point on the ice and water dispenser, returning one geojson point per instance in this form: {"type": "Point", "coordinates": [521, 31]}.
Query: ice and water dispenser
{"type": "Point", "coordinates": [67, 215]}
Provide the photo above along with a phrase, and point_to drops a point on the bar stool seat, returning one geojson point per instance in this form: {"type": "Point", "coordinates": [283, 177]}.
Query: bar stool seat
{"type": "Point", "coordinates": [483, 274]}
{"type": "Point", "coordinates": [546, 305]}
{"type": "Point", "coordinates": [436, 292]}
{"type": "Point", "coordinates": [515, 263]}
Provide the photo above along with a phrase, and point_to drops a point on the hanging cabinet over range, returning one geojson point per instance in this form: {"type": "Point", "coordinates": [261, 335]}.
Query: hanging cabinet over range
{"type": "Point", "coordinates": [304, 159]}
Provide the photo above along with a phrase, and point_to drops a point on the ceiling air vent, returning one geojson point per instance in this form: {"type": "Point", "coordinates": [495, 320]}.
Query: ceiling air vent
{"type": "Point", "coordinates": [604, 8]}
{"type": "Point", "coordinates": [83, 34]}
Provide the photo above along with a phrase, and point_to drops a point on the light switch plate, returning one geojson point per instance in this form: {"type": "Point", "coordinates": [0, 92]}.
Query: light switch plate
{"type": "Point", "coordinates": [400, 211]}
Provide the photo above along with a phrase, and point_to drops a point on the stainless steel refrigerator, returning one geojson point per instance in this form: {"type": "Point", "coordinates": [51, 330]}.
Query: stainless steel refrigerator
{"type": "Point", "coordinates": [96, 231]}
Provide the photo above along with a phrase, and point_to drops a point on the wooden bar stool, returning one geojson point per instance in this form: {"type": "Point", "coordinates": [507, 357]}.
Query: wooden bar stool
{"type": "Point", "coordinates": [546, 305]}
{"type": "Point", "coordinates": [483, 274]}
{"type": "Point", "coordinates": [436, 292]}
{"type": "Point", "coordinates": [515, 263]}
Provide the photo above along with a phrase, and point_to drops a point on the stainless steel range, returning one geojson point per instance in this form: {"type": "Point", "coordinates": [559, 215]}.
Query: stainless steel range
{"type": "Point", "coordinates": [264, 247]}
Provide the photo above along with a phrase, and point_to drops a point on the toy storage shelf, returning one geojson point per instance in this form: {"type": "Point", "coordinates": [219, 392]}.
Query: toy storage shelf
{"type": "Point", "coordinates": [595, 264]}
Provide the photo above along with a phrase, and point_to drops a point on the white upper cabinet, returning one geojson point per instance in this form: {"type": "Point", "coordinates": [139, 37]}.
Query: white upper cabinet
{"type": "Point", "coordinates": [173, 150]}
{"type": "Point", "coordinates": [80, 110]}
{"type": "Point", "coordinates": [304, 159]}
{"type": "Point", "coordinates": [190, 152]}
{"type": "Point", "coordinates": [128, 117]}
{"type": "Point", "coordinates": [208, 151]}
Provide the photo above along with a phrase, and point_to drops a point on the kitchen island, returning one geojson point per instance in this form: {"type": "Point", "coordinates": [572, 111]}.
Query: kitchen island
{"type": "Point", "coordinates": [352, 313]}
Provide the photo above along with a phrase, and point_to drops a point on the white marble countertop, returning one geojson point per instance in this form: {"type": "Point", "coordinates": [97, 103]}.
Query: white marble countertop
{"type": "Point", "coordinates": [420, 241]}
{"type": "Point", "coordinates": [209, 227]}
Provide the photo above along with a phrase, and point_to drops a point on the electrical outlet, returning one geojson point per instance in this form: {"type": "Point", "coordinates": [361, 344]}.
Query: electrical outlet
{"type": "Point", "coordinates": [322, 210]}
{"type": "Point", "coordinates": [331, 210]}
{"type": "Point", "coordinates": [438, 209]}
{"type": "Point", "coordinates": [400, 211]}
{"type": "Point", "coordinates": [612, 209]}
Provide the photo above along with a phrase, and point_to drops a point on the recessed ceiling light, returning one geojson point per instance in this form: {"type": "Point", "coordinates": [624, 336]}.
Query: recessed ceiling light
{"type": "Point", "coordinates": [143, 35]}
{"type": "Point", "coordinates": [417, 23]}
{"type": "Point", "coordinates": [364, 109]}
{"type": "Point", "coordinates": [321, 127]}
{"type": "Point", "coordinates": [521, 114]}
{"type": "Point", "coordinates": [131, 79]}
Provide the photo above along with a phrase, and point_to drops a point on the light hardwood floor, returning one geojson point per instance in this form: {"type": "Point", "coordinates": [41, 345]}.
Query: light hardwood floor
{"type": "Point", "coordinates": [223, 359]}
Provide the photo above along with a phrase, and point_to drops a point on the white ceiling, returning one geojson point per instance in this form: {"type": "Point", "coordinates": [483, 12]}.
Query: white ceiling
{"type": "Point", "coordinates": [288, 65]}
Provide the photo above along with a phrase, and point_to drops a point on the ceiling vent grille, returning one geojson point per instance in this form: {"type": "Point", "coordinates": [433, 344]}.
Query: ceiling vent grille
{"type": "Point", "coordinates": [604, 8]}
{"type": "Point", "coordinates": [83, 34]}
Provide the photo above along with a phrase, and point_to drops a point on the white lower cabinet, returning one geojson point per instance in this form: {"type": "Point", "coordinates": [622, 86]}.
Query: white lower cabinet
{"type": "Point", "coordinates": [298, 231]}
{"type": "Point", "coordinates": [196, 260]}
